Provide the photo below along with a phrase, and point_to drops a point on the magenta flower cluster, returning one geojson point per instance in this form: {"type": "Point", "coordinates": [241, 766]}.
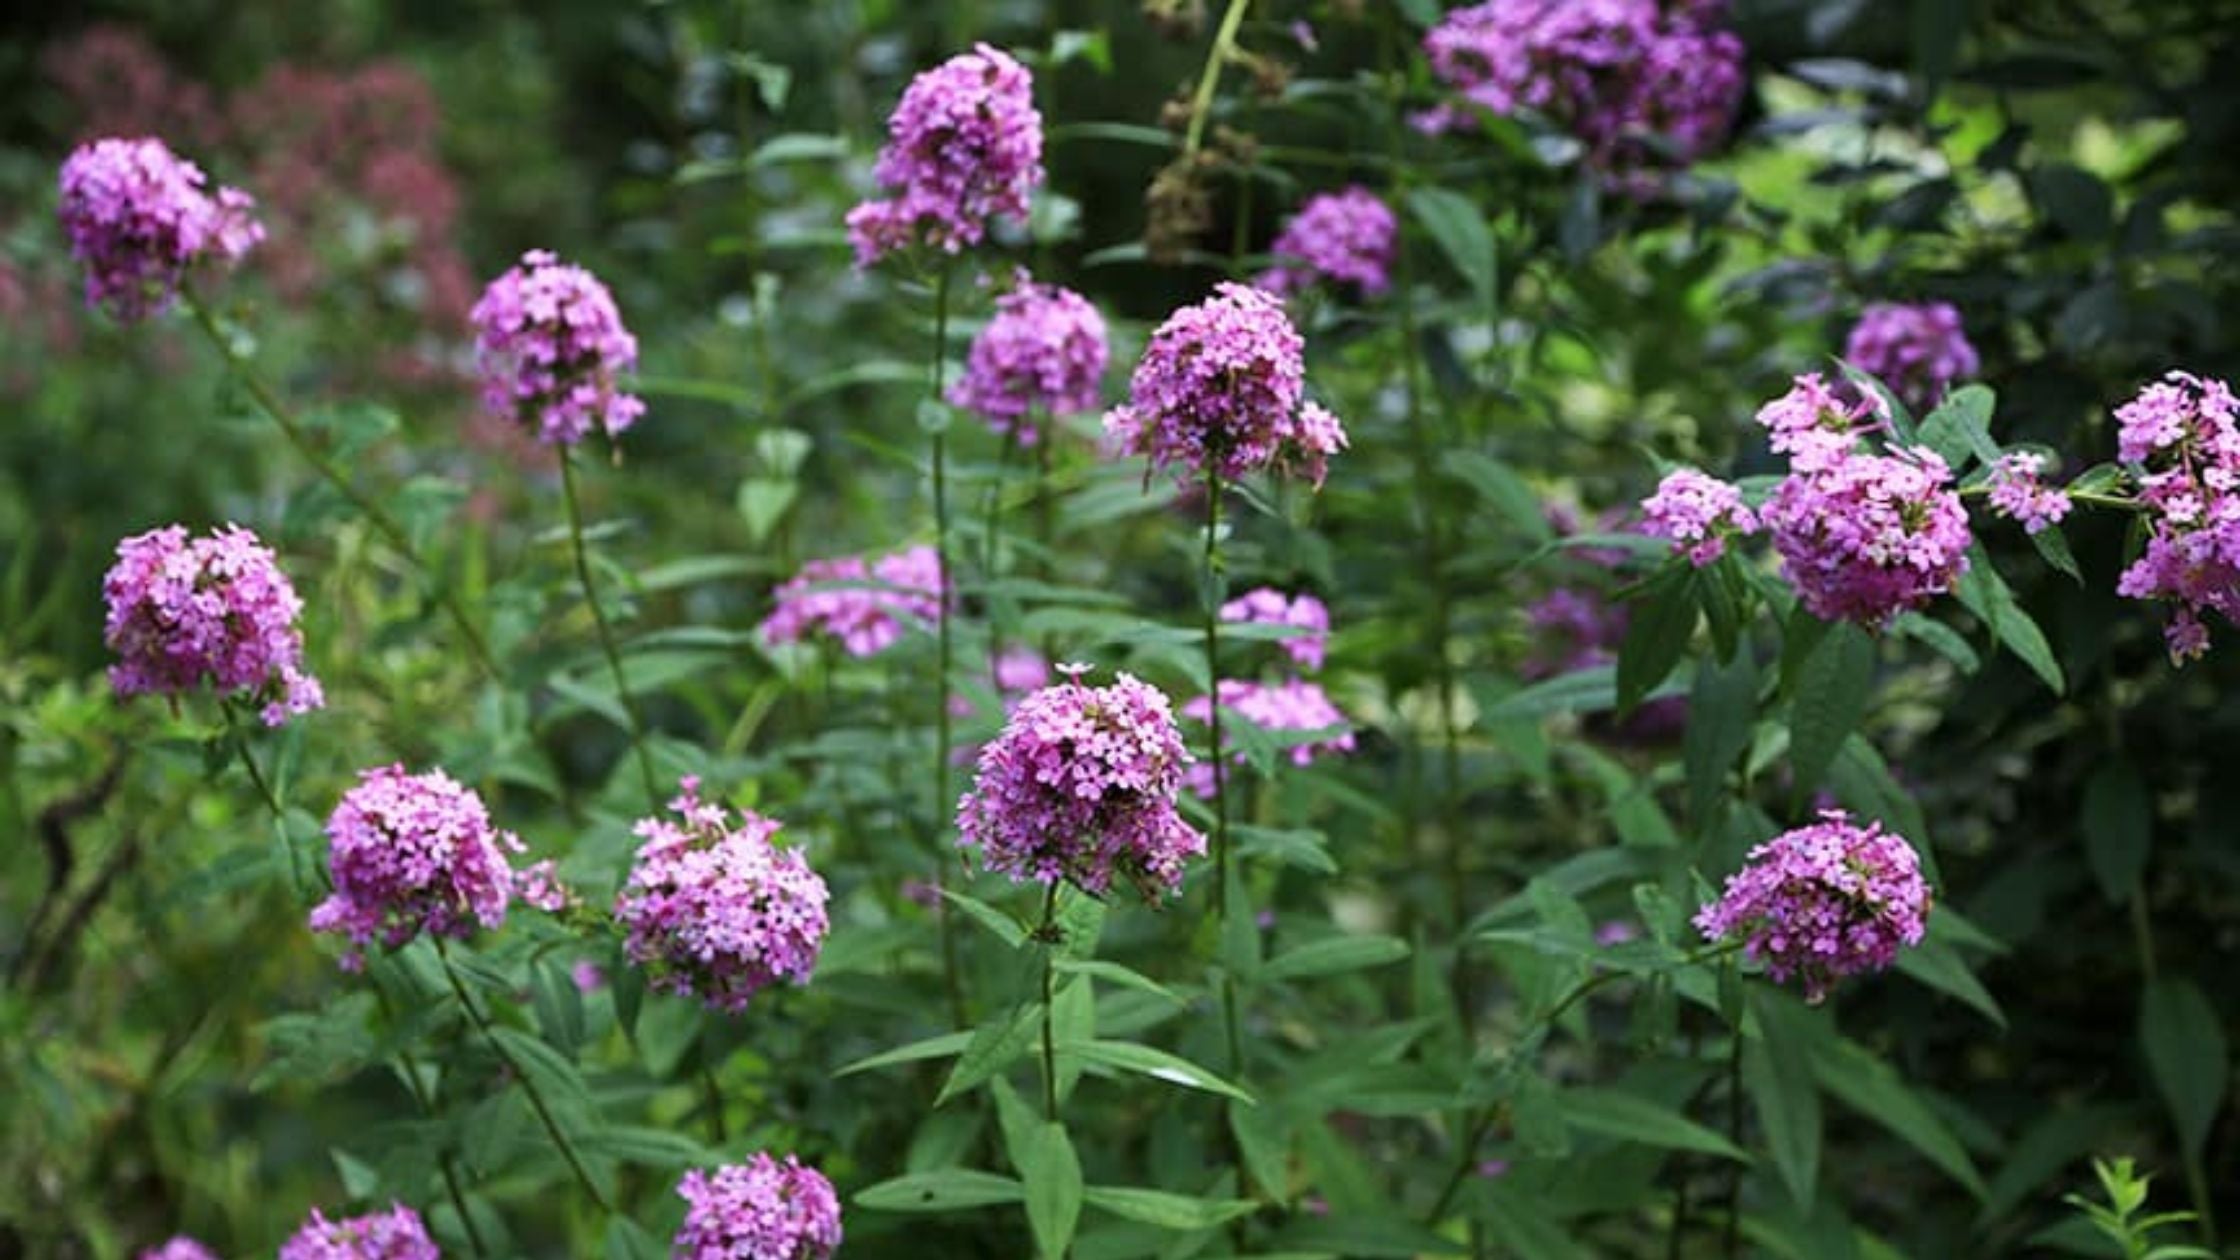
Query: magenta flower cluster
{"type": "Point", "coordinates": [1292, 705]}
{"type": "Point", "coordinates": [1822, 902]}
{"type": "Point", "coordinates": [763, 1209]}
{"type": "Point", "coordinates": [964, 144]}
{"type": "Point", "coordinates": [182, 611]}
{"type": "Point", "coordinates": [412, 854]}
{"type": "Point", "coordinates": [1345, 237]}
{"type": "Point", "coordinates": [139, 217]}
{"type": "Point", "coordinates": [180, 1248]}
{"type": "Point", "coordinates": [2180, 439]}
{"type": "Point", "coordinates": [713, 910]}
{"type": "Point", "coordinates": [863, 603]}
{"type": "Point", "coordinates": [1268, 606]}
{"type": "Point", "coordinates": [1043, 350]}
{"type": "Point", "coordinates": [396, 1234]}
{"type": "Point", "coordinates": [1918, 349]}
{"type": "Point", "coordinates": [2017, 491]}
{"type": "Point", "coordinates": [1697, 513]}
{"type": "Point", "coordinates": [1221, 390]}
{"type": "Point", "coordinates": [1081, 784]}
{"type": "Point", "coordinates": [551, 350]}
{"type": "Point", "coordinates": [1637, 82]}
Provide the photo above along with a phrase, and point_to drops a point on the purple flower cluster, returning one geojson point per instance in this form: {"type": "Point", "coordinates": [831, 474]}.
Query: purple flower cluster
{"type": "Point", "coordinates": [1082, 783]}
{"type": "Point", "coordinates": [1293, 705]}
{"type": "Point", "coordinates": [1823, 902]}
{"type": "Point", "coordinates": [182, 610]}
{"type": "Point", "coordinates": [1918, 350]}
{"type": "Point", "coordinates": [865, 604]}
{"type": "Point", "coordinates": [1220, 388]}
{"type": "Point", "coordinates": [1697, 513]}
{"type": "Point", "coordinates": [1043, 350]}
{"type": "Point", "coordinates": [413, 854]}
{"type": "Point", "coordinates": [396, 1234]}
{"type": "Point", "coordinates": [2180, 437]}
{"type": "Point", "coordinates": [180, 1248]}
{"type": "Point", "coordinates": [1268, 606]}
{"type": "Point", "coordinates": [759, 1210]}
{"type": "Point", "coordinates": [716, 911]}
{"type": "Point", "coordinates": [138, 217]}
{"type": "Point", "coordinates": [2018, 491]}
{"type": "Point", "coordinates": [1637, 82]}
{"type": "Point", "coordinates": [965, 143]}
{"type": "Point", "coordinates": [550, 347]}
{"type": "Point", "coordinates": [1344, 237]}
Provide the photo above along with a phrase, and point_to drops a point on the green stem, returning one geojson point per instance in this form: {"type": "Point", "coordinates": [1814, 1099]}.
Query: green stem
{"type": "Point", "coordinates": [952, 973]}
{"type": "Point", "coordinates": [264, 790]}
{"type": "Point", "coordinates": [447, 1163]}
{"type": "Point", "coordinates": [1201, 101]}
{"type": "Point", "coordinates": [1048, 936]}
{"type": "Point", "coordinates": [379, 517]}
{"type": "Point", "coordinates": [606, 632]}
{"type": "Point", "coordinates": [1732, 1238]}
{"type": "Point", "coordinates": [528, 1086]}
{"type": "Point", "coordinates": [1210, 598]}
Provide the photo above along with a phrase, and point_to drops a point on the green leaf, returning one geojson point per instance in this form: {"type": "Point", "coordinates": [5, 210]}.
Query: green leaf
{"type": "Point", "coordinates": [1722, 707]}
{"type": "Point", "coordinates": [1935, 963]}
{"type": "Point", "coordinates": [627, 1240]}
{"type": "Point", "coordinates": [1053, 1176]}
{"type": "Point", "coordinates": [556, 1078]}
{"type": "Point", "coordinates": [1502, 490]}
{"type": "Point", "coordinates": [993, 1047]}
{"type": "Point", "coordinates": [645, 1146]}
{"type": "Point", "coordinates": [1168, 1211]}
{"type": "Point", "coordinates": [1129, 1056]}
{"type": "Point", "coordinates": [2186, 1051]}
{"type": "Point", "coordinates": [1983, 592]}
{"type": "Point", "coordinates": [1006, 928]}
{"type": "Point", "coordinates": [1830, 697]}
{"type": "Point", "coordinates": [940, 1047]}
{"type": "Point", "coordinates": [1664, 619]}
{"type": "Point", "coordinates": [2053, 548]}
{"type": "Point", "coordinates": [1334, 954]}
{"type": "Point", "coordinates": [949, 1190]}
{"type": "Point", "coordinates": [1632, 1118]}
{"type": "Point", "coordinates": [2118, 822]}
{"type": "Point", "coordinates": [1777, 1071]}
{"type": "Point", "coordinates": [1868, 1086]}
{"type": "Point", "coordinates": [1460, 228]}
{"type": "Point", "coordinates": [1960, 427]}
{"type": "Point", "coordinates": [763, 502]}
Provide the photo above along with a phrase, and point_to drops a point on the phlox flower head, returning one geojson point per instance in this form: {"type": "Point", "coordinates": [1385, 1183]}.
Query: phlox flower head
{"type": "Point", "coordinates": [1221, 390]}
{"type": "Point", "coordinates": [1293, 706]}
{"type": "Point", "coordinates": [1814, 424]}
{"type": "Point", "coordinates": [964, 144]}
{"type": "Point", "coordinates": [1268, 606]}
{"type": "Point", "coordinates": [139, 217]}
{"type": "Point", "coordinates": [396, 1234]}
{"type": "Point", "coordinates": [1697, 513]}
{"type": "Point", "coordinates": [2019, 492]}
{"type": "Point", "coordinates": [1345, 237]}
{"type": "Point", "coordinates": [551, 350]}
{"type": "Point", "coordinates": [862, 603]}
{"type": "Point", "coordinates": [760, 1210]}
{"type": "Point", "coordinates": [1639, 83]}
{"type": "Point", "coordinates": [413, 854]}
{"type": "Point", "coordinates": [1869, 536]}
{"type": "Point", "coordinates": [1081, 784]}
{"type": "Point", "coordinates": [1044, 350]}
{"type": "Point", "coordinates": [180, 1248]}
{"type": "Point", "coordinates": [184, 611]}
{"type": "Point", "coordinates": [713, 910]}
{"type": "Point", "coordinates": [1917, 349]}
{"type": "Point", "coordinates": [1822, 902]}
{"type": "Point", "coordinates": [2182, 441]}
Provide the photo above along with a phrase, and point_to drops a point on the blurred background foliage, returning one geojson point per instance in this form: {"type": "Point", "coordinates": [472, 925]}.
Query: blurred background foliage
{"type": "Point", "coordinates": [2062, 170]}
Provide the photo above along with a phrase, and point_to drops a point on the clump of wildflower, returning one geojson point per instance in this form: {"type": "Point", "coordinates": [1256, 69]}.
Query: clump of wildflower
{"type": "Point", "coordinates": [138, 218]}
{"type": "Point", "coordinates": [1343, 237]}
{"type": "Point", "coordinates": [413, 854]}
{"type": "Point", "coordinates": [396, 1234]}
{"type": "Point", "coordinates": [1080, 784]}
{"type": "Point", "coordinates": [551, 350]}
{"type": "Point", "coordinates": [1270, 607]}
{"type": "Point", "coordinates": [714, 910]}
{"type": "Point", "coordinates": [863, 603]}
{"type": "Point", "coordinates": [1697, 513]}
{"type": "Point", "coordinates": [1293, 705]}
{"type": "Point", "coordinates": [1916, 349]}
{"type": "Point", "coordinates": [182, 611]}
{"type": "Point", "coordinates": [1869, 536]}
{"type": "Point", "coordinates": [1044, 350]}
{"type": "Point", "coordinates": [760, 1210]}
{"type": "Point", "coordinates": [2019, 492]}
{"type": "Point", "coordinates": [1639, 83]}
{"type": "Point", "coordinates": [2181, 437]}
{"type": "Point", "coordinates": [1822, 902]}
{"type": "Point", "coordinates": [964, 144]}
{"type": "Point", "coordinates": [1221, 388]}
{"type": "Point", "coordinates": [180, 1248]}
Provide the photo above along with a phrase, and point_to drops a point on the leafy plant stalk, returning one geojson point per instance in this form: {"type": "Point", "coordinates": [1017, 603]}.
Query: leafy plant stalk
{"type": "Point", "coordinates": [951, 969]}
{"type": "Point", "coordinates": [582, 554]}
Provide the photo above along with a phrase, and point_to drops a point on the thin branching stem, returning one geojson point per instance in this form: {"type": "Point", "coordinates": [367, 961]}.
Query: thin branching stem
{"type": "Point", "coordinates": [582, 554]}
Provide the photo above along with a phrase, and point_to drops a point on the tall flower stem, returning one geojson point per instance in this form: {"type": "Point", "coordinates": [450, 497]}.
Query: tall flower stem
{"type": "Point", "coordinates": [943, 802]}
{"type": "Point", "coordinates": [271, 798]}
{"type": "Point", "coordinates": [582, 555]}
{"type": "Point", "coordinates": [446, 1163]}
{"type": "Point", "coordinates": [269, 402]}
{"type": "Point", "coordinates": [528, 1084]}
{"type": "Point", "coordinates": [1048, 936]}
{"type": "Point", "coordinates": [1210, 598]}
{"type": "Point", "coordinates": [1201, 101]}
